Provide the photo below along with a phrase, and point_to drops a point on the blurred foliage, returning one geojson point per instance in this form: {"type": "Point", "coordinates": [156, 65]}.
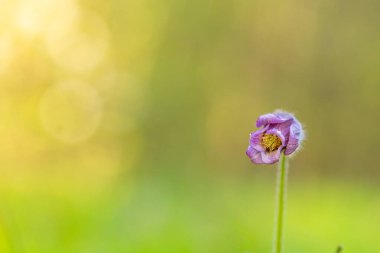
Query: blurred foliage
{"type": "Point", "coordinates": [124, 124]}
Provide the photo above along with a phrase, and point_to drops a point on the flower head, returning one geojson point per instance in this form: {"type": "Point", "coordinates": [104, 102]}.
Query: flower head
{"type": "Point", "coordinates": [280, 132]}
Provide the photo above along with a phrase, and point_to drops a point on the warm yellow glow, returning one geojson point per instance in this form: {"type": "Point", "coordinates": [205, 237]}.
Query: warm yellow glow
{"type": "Point", "coordinates": [81, 47]}
{"type": "Point", "coordinates": [27, 21]}
{"type": "Point", "coordinates": [34, 17]}
{"type": "Point", "coordinates": [71, 111]}
{"type": "Point", "coordinates": [6, 52]}
{"type": "Point", "coordinates": [42, 44]}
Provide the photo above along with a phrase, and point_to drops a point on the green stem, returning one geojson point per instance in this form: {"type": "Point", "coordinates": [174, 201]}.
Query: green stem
{"type": "Point", "coordinates": [281, 199]}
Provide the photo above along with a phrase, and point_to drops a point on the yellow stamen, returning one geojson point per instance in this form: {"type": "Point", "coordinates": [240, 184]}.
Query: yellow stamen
{"type": "Point", "coordinates": [270, 142]}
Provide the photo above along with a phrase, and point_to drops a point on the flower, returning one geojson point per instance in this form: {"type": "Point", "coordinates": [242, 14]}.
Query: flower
{"type": "Point", "coordinates": [280, 132]}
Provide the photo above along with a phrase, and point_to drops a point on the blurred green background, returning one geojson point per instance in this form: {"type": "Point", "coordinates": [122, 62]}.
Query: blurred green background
{"type": "Point", "coordinates": [124, 124]}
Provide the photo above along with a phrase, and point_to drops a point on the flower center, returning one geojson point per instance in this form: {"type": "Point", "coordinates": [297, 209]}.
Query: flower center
{"type": "Point", "coordinates": [270, 142]}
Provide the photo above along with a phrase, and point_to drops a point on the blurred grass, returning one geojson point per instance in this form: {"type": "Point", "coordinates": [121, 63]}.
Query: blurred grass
{"type": "Point", "coordinates": [197, 216]}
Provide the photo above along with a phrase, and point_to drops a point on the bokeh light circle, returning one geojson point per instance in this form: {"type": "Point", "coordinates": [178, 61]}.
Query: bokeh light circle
{"type": "Point", "coordinates": [35, 17]}
{"type": "Point", "coordinates": [81, 47]}
{"type": "Point", "coordinates": [71, 111]}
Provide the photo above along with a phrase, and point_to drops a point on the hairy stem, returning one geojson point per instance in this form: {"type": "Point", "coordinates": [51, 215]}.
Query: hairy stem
{"type": "Point", "coordinates": [281, 200]}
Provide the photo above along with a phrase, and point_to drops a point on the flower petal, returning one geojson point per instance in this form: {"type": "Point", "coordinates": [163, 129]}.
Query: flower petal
{"type": "Point", "coordinates": [255, 139]}
{"type": "Point", "coordinates": [273, 118]}
{"type": "Point", "coordinates": [295, 137]}
{"type": "Point", "coordinates": [254, 155]}
{"type": "Point", "coordinates": [271, 157]}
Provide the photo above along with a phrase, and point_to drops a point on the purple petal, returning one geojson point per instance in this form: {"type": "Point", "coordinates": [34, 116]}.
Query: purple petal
{"type": "Point", "coordinates": [273, 118]}
{"type": "Point", "coordinates": [284, 127]}
{"type": "Point", "coordinates": [295, 137]}
{"type": "Point", "coordinates": [254, 155]}
{"type": "Point", "coordinates": [255, 139]}
{"type": "Point", "coordinates": [271, 157]}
